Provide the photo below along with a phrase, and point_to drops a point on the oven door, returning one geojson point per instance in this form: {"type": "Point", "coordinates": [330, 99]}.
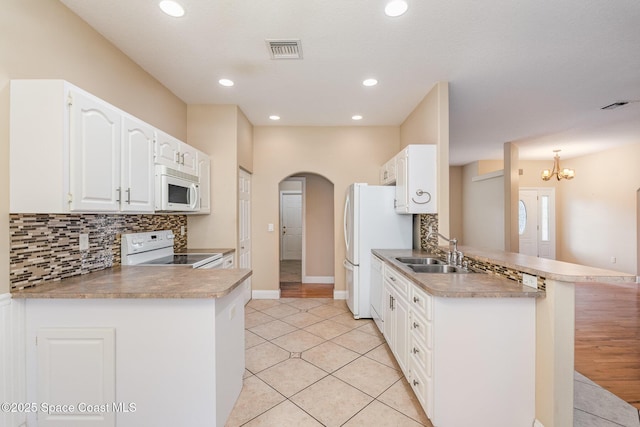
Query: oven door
{"type": "Point", "coordinates": [178, 194]}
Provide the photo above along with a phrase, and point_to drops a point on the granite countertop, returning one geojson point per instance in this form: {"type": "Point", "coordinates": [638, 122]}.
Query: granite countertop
{"type": "Point", "coordinates": [456, 285]}
{"type": "Point", "coordinates": [142, 282]}
{"type": "Point", "coordinates": [223, 251]}
{"type": "Point", "coordinates": [547, 268]}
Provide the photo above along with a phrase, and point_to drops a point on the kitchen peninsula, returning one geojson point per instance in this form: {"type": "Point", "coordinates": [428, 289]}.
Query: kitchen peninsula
{"type": "Point", "coordinates": [140, 345]}
{"type": "Point", "coordinates": [514, 324]}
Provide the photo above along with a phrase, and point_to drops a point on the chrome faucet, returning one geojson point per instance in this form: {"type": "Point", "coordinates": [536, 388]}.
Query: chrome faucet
{"type": "Point", "coordinates": [454, 256]}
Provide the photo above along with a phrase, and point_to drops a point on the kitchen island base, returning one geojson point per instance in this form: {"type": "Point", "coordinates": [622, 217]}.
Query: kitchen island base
{"type": "Point", "coordinates": [172, 361]}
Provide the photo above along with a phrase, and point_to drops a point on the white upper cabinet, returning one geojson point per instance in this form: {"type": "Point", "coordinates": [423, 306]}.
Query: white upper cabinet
{"type": "Point", "coordinates": [95, 140]}
{"type": "Point", "coordinates": [204, 173]}
{"type": "Point", "coordinates": [137, 177]}
{"type": "Point", "coordinates": [72, 152]}
{"type": "Point", "coordinates": [416, 180]}
{"type": "Point", "coordinates": [175, 154]}
{"type": "Point", "coordinates": [388, 172]}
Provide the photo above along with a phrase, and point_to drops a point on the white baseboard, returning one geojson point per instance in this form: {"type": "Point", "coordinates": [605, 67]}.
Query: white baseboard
{"type": "Point", "coordinates": [318, 279]}
{"type": "Point", "coordinates": [265, 294]}
{"type": "Point", "coordinates": [339, 294]}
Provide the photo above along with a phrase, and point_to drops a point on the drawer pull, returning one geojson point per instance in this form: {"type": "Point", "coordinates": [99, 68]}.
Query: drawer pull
{"type": "Point", "coordinates": [415, 383]}
{"type": "Point", "coordinates": [416, 299]}
{"type": "Point", "coordinates": [415, 325]}
{"type": "Point", "coordinates": [393, 279]}
{"type": "Point", "coordinates": [415, 350]}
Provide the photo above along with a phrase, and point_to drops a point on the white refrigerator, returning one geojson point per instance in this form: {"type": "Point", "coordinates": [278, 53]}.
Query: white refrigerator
{"type": "Point", "coordinates": [370, 222]}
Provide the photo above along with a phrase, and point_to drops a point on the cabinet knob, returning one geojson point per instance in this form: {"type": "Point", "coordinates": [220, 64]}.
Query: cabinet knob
{"type": "Point", "coordinates": [416, 325]}
{"type": "Point", "coordinates": [416, 299]}
{"type": "Point", "coordinates": [415, 350]}
{"type": "Point", "coordinates": [415, 382]}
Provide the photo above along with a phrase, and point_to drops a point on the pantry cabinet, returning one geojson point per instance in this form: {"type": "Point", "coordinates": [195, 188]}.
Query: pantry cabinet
{"type": "Point", "coordinates": [416, 178]}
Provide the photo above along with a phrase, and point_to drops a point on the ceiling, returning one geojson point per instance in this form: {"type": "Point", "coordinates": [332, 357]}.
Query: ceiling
{"type": "Point", "coordinates": [535, 73]}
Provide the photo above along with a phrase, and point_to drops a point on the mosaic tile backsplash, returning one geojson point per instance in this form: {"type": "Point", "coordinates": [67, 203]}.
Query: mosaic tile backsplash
{"type": "Point", "coordinates": [45, 247]}
{"type": "Point", "coordinates": [427, 220]}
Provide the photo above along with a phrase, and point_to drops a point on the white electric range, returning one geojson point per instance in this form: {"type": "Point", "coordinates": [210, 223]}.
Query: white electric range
{"type": "Point", "coordinates": [155, 248]}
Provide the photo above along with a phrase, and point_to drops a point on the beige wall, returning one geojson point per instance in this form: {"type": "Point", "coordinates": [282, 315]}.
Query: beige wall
{"type": "Point", "coordinates": [245, 142]}
{"type": "Point", "coordinates": [319, 224]}
{"type": "Point", "coordinates": [428, 123]}
{"type": "Point", "coordinates": [342, 155]}
{"type": "Point", "coordinates": [598, 210]}
{"type": "Point", "coordinates": [43, 39]}
{"type": "Point", "coordinates": [483, 209]}
{"type": "Point", "coordinates": [214, 130]}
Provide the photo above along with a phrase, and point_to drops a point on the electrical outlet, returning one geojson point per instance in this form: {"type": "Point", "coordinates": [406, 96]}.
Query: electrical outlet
{"type": "Point", "coordinates": [182, 230]}
{"type": "Point", "coordinates": [529, 280]}
{"type": "Point", "coordinates": [84, 242]}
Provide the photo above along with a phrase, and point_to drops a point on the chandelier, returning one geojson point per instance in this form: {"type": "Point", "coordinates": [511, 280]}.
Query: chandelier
{"type": "Point", "coordinates": [559, 173]}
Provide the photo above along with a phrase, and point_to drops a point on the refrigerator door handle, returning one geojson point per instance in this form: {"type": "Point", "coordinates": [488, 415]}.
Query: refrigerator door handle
{"type": "Point", "coordinates": [346, 209]}
{"type": "Point", "coordinates": [347, 265]}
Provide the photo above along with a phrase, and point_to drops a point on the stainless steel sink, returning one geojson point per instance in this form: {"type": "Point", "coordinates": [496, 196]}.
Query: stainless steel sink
{"type": "Point", "coordinates": [419, 260]}
{"type": "Point", "coordinates": [438, 268]}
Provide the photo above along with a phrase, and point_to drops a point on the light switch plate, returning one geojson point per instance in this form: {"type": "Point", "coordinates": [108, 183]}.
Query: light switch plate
{"type": "Point", "coordinates": [270, 227]}
{"type": "Point", "coordinates": [84, 242]}
{"type": "Point", "coordinates": [529, 280]}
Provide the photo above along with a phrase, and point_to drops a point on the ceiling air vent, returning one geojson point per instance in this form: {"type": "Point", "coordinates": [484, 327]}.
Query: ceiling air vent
{"type": "Point", "coordinates": [285, 49]}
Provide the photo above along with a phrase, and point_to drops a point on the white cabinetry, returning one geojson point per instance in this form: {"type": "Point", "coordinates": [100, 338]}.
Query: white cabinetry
{"type": "Point", "coordinates": [76, 366]}
{"type": "Point", "coordinates": [204, 173]}
{"type": "Point", "coordinates": [175, 154]}
{"type": "Point", "coordinates": [228, 261]}
{"type": "Point", "coordinates": [388, 172]}
{"type": "Point", "coordinates": [416, 180]}
{"type": "Point", "coordinates": [396, 316]}
{"type": "Point", "coordinates": [377, 269]}
{"type": "Point", "coordinates": [476, 353]}
{"type": "Point", "coordinates": [71, 151]}
{"type": "Point", "coordinates": [137, 177]}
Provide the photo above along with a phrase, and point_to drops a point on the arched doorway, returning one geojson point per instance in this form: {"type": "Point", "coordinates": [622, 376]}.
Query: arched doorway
{"type": "Point", "coordinates": [306, 242]}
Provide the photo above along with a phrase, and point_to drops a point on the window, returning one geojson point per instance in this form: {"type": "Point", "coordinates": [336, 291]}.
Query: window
{"type": "Point", "coordinates": [522, 217]}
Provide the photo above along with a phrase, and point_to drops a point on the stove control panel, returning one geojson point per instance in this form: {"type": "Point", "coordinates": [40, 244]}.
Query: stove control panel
{"type": "Point", "coordinates": [132, 243]}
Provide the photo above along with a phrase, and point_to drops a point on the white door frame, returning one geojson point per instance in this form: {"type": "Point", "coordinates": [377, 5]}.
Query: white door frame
{"type": "Point", "coordinates": [551, 192]}
{"type": "Point", "coordinates": [244, 227]}
{"type": "Point", "coordinates": [303, 190]}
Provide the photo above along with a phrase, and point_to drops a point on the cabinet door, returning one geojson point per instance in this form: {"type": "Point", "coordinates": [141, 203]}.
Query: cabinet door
{"type": "Point", "coordinates": [137, 166]}
{"type": "Point", "coordinates": [95, 135]}
{"type": "Point", "coordinates": [204, 173]}
{"type": "Point", "coordinates": [401, 331]}
{"type": "Point", "coordinates": [387, 310]}
{"type": "Point", "coordinates": [167, 150]}
{"type": "Point", "coordinates": [188, 159]}
{"type": "Point", "coordinates": [76, 365]}
{"type": "Point", "coordinates": [401, 182]}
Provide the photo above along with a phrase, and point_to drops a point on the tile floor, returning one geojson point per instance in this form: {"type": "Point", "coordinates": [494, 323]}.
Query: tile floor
{"type": "Point", "coordinates": [310, 363]}
{"type": "Point", "coordinates": [596, 407]}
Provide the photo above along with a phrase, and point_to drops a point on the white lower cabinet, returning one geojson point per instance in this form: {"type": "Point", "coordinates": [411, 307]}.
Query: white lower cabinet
{"type": "Point", "coordinates": [76, 376]}
{"type": "Point", "coordinates": [469, 361]}
{"type": "Point", "coordinates": [396, 316]}
{"type": "Point", "coordinates": [228, 261]}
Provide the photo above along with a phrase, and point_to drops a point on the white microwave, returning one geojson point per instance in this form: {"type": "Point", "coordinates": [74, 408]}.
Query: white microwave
{"type": "Point", "coordinates": [176, 191]}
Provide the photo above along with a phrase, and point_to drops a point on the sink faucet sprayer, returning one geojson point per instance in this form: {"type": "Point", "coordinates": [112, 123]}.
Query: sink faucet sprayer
{"type": "Point", "coordinates": [454, 256]}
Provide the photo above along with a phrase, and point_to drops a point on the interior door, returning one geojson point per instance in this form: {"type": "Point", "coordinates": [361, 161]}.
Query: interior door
{"type": "Point", "coordinates": [291, 226]}
{"type": "Point", "coordinates": [244, 227]}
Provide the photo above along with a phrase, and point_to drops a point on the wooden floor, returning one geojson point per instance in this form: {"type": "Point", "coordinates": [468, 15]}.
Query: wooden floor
{"type": "Point", "coordinates": [607, 340]}
{"type": "Point", "coordinates": [305, 290]}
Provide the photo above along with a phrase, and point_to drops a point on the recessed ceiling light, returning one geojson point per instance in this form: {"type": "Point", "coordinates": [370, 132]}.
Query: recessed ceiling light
{"type": "Point", "coordinates": [396, 8]}
{"type": "Point", "coordinates": [172, 8]}
{"type": "Point", "coordinates": [274, 117]}
{"type": "Point", "coordinates": [226, 82]}
{"type": "Point", "coordinates": [356, 117]}
{"type": "Point", "coordinates": [370, 82]}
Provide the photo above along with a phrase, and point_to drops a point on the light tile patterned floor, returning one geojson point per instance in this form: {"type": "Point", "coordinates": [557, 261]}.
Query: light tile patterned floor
{"type": "Point", "coordinates": [310, 363]}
